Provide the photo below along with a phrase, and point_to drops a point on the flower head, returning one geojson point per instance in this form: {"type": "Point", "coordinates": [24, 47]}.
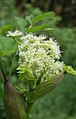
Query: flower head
{"type": "Point", "coordinates": [40, 55]}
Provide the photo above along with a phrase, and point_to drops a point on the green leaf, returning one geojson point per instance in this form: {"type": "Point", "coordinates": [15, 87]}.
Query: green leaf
{"type": "Point", "coordinates": [5, 28]}
{"type": "Point", "coordinates": [25, 74]}
{"type": "Point", "coordinates": [29, 18]}
{"type": "Point", "coordinates": [7, 46]}
{"type": "Point", "coordinates": [70, 70]}
{"type": "Point", "coordinates": [43, 16]}
{"type": "Point", "coordinates": [44, 88]}
{"type": "Point", "coordinates": [37, 28]}
{"type": "Point", "coordinates": [20, 22]}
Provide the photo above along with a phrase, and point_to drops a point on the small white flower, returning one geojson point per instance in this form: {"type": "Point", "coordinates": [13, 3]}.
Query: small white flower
{"type": "Point", "coordinates": [15, 33]}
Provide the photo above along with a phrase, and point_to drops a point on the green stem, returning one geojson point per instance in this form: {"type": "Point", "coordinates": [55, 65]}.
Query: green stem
{"type": "Point", "coordinates": [29, 106]}
{"type": "Point", "coordinates": [2, 74]}
{"type": "Point", "coordinates": [11, 67]}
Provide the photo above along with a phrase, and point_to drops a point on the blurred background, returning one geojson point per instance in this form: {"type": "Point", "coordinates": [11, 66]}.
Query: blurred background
{"type": "Point", "coordinates": [61, 102]}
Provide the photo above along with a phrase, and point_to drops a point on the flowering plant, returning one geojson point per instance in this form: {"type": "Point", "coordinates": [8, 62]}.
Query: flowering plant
{"type": "Point", "coordinates": [39, 60]}
{"type": "Point", "coordinates": [39, 67]}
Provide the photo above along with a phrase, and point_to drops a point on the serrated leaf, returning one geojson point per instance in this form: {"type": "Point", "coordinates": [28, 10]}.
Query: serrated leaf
{"type": "Point", "coordinates": [44, 87]}
{"type": "Point", "coordinates": [42, 17]}
{"type": "Point", "coordinates": [7, 46]}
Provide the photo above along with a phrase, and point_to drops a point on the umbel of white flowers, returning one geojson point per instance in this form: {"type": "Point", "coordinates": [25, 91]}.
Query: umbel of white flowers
{"type": "Point", "coordinates": [41, 56]}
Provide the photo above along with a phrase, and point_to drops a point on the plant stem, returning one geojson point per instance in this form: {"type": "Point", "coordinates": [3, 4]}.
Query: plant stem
{"type": "Point", "coordinates": [29, 106]}
{"type": "Point", "coordinates": [2, 74]}
{"type": "Point", "coordinates": [11, 67]}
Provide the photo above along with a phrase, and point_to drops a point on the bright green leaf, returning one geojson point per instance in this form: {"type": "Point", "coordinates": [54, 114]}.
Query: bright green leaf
{"type": "Point", "coordinates": [7, 46]}
{"type": "Point", "coordinates": [25, 74]}
{"type": "Point", "coordinates": [70, 70]}
{"type": "Point", "coordinates": [37, 28]}
{"type": "Point", "coordinates": [43, 17]}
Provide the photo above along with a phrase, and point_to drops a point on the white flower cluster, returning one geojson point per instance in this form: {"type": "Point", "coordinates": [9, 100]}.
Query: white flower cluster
{"type": "Point", "coordinates": [39, 54]}
{"type": "Point", "coordinates": [14, 34]}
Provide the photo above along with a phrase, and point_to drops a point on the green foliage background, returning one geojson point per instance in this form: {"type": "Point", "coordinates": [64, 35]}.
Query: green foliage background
{"type": "Point", "coordinates": [61, 102]}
